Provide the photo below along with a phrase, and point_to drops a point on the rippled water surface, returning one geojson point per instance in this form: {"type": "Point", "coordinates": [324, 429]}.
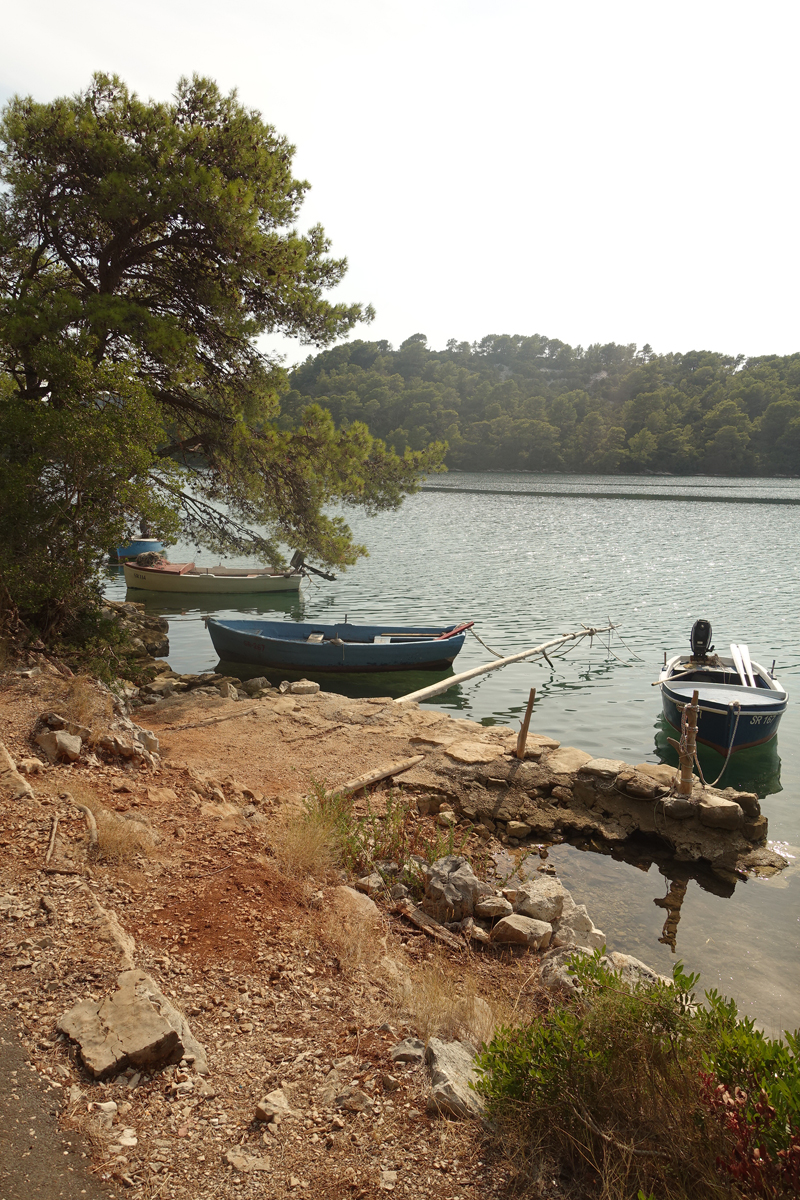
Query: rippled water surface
{"type": "Point", "coordinates": [528, 557]}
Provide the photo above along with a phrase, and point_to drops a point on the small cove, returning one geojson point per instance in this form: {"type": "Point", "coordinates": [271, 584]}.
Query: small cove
{"type": "Point", "coordinates": [530, 556]}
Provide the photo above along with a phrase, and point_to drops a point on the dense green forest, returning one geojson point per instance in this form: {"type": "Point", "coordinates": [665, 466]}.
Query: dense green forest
{"type": "Point", "coordinates": [536, 404]}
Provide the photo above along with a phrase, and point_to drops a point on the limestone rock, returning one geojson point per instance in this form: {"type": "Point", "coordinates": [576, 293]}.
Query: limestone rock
{"type": "Point", "coordinates": [576, 915]}
{"type": "Point", "coordinates": [245, 1163]}
{"type": "Point", "coordinates": [660, 772]}
{"type": "Point", "coordinates": [352, 1099]}
{"type": "Point", "coordinates": [542, 741]}
{"type": "Point", "coordinates": [518, 829]}
{"type": "Point", "coordinates": [162, 795]}
{"type": "Point", "coordinates": [747, 801]}
{"type": "Point", "coordinates": [756, 829]}
{"type": "Point", "coordinates": [251, 686]}
{"type": "Point", "coordinates": [371, 885]}
{"type": "Point", "coordinates": [474, 932]}
{"type": "Point", "coordinates": [11, 782]}
{"type": "Point", "coordinates": [566, 760]}
{"type": "Point", "coordinates": [148, 740]}
{"type": "Point", "coordinates": [349, 902]}
{"type": "Point", "coordinates": [474, 752]}
{"type": "Point", "coordinates": [541, 898]}
{"type": "Point", "coordinates": [718, 812]}
{"type": "Point", "coordinates": [452, 1072]}
{"type": "Point", "coordinates": [680, 808]}
{"type": "Point", "coordinates": [410, 1050]}
{"type": "Point", "coordinates": [304, 687]}
{"type": "Point", "coordinates": [640, 786]}
{"type": "Point", "coordinates": [493, 907]}
{"type": "Point", "coordinates": [135, 1026]}
{"type": "Point", "coordinates": [274, 1104]}
{"type": "Point", "coordinates": [452, 889]}
{"type": "Point", "coordinates": [605, 768]}
{"type": "Point", "coordinates": [60, 744]}
{"type": "Point", "coordinates": [517, 930]}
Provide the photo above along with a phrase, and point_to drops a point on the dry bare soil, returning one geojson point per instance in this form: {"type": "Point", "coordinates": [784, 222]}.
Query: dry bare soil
{"type": "Point", "coordinates": [241, 924]}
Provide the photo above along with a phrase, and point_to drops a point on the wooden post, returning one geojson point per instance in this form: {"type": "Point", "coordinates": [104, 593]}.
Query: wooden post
{"type": "Point", "coordinates": [686, 780]}
{"type": "Point", "coordinates": [523, 733]}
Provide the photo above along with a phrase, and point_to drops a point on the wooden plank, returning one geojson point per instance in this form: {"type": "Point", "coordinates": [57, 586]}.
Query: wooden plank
{"type": "Point", "coordinates": [362, 781]}
{"type": "Point", "coordinates": [210, 721]}
{"type": "Point", "coordinates": [427, 924]}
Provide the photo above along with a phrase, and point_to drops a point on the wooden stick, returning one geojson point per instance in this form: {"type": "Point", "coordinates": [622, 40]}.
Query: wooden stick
{"type": "Point", "coordinates": [523, 733]}
{"type": "Point", "coordinates": [52, 842]}
{"type": "Point", "coordinates": [90, 821]}
{"type": "Point", "coordinates": [362, 781]}
{"type": "Point", "coordinates": [437, 688]}
{"type": "Point", "coordinates": [211, 721]}
{"type": "Point", "coordinates": [427, 924]}
{"type": "Point", "coordinates": [686, 781]}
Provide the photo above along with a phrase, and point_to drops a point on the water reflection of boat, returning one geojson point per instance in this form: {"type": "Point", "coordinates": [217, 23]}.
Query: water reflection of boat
{"type": "Point", "coordinates": [741, 703]}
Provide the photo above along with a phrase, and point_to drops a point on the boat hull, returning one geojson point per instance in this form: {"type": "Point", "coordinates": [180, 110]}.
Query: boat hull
{"type": "Point", "coordinates": [152, 580]}
{"type": "Point", "coordinates": [714, 728]}
{"type": "Point", "coordinates": [267, 644]}
{"type": "Point", "coordinates": [759, 708]}
{"type": "Point", "coordinates": [141, 547]}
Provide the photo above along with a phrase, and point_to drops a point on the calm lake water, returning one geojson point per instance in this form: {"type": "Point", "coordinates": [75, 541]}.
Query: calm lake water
{"type": "Point", "coordinates": [530, 556]}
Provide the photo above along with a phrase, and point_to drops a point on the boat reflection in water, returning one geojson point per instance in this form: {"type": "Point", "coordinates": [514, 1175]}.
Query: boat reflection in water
{"type": "Point", "coordinates": [757, 769]}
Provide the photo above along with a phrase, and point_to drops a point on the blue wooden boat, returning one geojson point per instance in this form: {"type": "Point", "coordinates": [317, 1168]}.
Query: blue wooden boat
{"type": "Point", "coordinates": [741, 703]}
{"type": "Point", "coordinates": [300, 646]}
{"type": "Point", "coordinates": [135, 548]}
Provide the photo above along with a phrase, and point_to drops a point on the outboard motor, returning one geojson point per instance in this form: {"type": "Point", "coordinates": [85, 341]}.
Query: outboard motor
{"type": "Point", "coordinates": [701, 639]}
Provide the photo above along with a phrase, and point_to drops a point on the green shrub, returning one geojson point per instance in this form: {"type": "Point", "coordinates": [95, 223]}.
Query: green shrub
{"type": "Point", "coordinates": [622, 1085]}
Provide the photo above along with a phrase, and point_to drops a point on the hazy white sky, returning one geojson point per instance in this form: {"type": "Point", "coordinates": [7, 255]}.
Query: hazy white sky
{"type": "Point", "coordinates": [618, 171]}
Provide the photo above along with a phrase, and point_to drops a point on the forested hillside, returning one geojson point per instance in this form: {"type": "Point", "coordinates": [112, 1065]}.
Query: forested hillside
{"type": "Point", "coordinates": [536, 404]}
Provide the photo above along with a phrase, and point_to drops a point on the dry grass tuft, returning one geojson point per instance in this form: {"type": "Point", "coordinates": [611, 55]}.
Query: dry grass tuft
{"type": "Point", "coordinates": [442, 1001]}
{"type": "Point", "coordinates": [120, 838]}
{"type": "Point", "coordinates": [86, 704]}
{"type": "Point", "coordinates": [307, 843]}
{"type": "Point", "coordinates": [357, 943]}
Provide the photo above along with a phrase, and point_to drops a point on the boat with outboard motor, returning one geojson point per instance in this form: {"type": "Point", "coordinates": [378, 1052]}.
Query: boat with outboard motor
{"type": "Point", "coordinates": [298, 646]}
{"type": "Point", "coordinates": [741, 703]}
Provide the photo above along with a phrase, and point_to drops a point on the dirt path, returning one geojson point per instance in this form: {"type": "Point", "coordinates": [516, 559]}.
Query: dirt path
{"type": "Point", "coordinates": [38, 1161]}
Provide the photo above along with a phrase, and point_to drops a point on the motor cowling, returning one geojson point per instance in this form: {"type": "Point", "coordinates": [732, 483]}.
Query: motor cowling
{"type": "Point", "coordinates": [701, 639]}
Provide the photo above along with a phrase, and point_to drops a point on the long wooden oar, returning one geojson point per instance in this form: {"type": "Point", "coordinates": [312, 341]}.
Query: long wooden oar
{"type": "Point", "coordinates": [747, 664]}
{"type": "Point", "coordinates": [437, 688]}
{"type": "Point", "coordinates": [737, 662]}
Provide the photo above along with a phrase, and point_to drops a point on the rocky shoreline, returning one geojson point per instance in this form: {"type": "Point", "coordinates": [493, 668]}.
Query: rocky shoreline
{"type": "Point", "coordinates": [206, 1014]}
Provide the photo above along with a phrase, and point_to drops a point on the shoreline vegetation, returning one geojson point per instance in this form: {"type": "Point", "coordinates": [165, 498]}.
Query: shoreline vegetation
{"type": "Point", "coordinates": [537, 404]}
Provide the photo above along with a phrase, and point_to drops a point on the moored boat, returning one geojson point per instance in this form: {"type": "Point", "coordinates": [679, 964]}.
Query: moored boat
{"type": "Point", "coordinates": [299, 646]}
{"type": "Point", "coordinates": [186, 578]}
{"type": "Point", "coordinates": [143, 546]}
{"type": "Point", "coordinates": [741, 703]}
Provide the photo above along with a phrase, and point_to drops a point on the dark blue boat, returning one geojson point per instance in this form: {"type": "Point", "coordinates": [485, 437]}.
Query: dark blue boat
{"type": "Point", "coordinates": [741, 703]}
{"type": "Point", "coordinates": [294, 646]}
